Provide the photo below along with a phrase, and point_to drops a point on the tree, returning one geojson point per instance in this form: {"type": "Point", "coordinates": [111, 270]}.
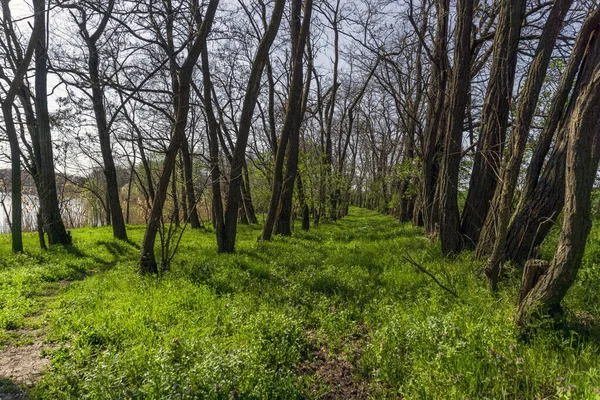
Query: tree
{"type": "Point", "coordinates": [230, 214]}
{"type": "Point", "coordinates": [47, 193]}
{"type": "Point", "coordinates": [21, 64]}
{"type": "Point", "coordinates": [493, 236]}
{"type": "Point", "coordinates": [98, 99]}
{"type": "Point", "coordinates": [583, 154]}
{"type": "Point", "coordinates": [488, 158]}
{"type": "Point", "coordinates": [435, 118]}
{"type": "Point", "coordinates": [450, 237]}
{"type": "Point", "coordinates": [182, 78]}
{"type": "Point", "coordinates": [280, 206]}
{"type": "Point", "coordinates": [543, 192]}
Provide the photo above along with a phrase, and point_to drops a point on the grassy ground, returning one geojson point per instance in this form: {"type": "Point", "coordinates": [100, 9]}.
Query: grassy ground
{"type": "Point", "coordinates": [336, 312]}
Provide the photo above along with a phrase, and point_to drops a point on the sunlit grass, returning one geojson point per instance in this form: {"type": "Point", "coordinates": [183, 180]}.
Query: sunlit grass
{"type": "Point", "coordinates": [247, 325]}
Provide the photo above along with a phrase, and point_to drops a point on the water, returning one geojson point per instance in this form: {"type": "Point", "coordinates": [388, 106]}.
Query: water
{"type": "Point", "coordinates": [75, 212]}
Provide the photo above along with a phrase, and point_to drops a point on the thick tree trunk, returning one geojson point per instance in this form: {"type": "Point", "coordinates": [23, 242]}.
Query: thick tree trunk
{"type": "Point", "coordinates": [533, 219]}
{"type": "Point", "coordinates": [48, 195]}
{"type": "Point", "coordinates": [488, 158]}
{"type": "Point", "coordinates": [450, 236]}
{"type": "Point", "coordinates": [493, 236]}
{"type": "Point", "coordinates": [583, 153]}
{"type": "Point", "coordinates": [557, 106]}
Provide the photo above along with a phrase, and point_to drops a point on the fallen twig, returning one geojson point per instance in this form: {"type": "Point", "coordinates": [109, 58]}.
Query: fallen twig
{"type": "Point", "coordinates": [422, 269]}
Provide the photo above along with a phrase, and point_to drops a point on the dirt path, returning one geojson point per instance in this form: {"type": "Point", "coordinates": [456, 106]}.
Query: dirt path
{"type": "Point", "coordinates": [23, 365]}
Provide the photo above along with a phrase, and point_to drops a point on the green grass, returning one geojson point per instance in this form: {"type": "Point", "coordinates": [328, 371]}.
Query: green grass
{"type": "Point", "coordinates": [292, 318]}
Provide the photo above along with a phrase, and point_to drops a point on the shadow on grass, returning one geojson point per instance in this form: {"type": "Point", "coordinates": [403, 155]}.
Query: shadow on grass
{"type": "Point", "coordinates": [116, 248]}
{"type": "Point", "coordinates": [74, 251]}
{"type": "Point", "coordinates": [585, 326]}
{"type": "Point", "coordinates": [9, 390]}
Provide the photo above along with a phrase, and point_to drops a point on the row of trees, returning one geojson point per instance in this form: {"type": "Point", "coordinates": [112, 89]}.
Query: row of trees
{"type": "Point", "coordinates": [411, 109]}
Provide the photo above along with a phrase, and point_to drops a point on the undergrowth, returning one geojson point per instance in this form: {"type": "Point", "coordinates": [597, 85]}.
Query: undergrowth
{"type": "Point", "coordinates": [270, 320]}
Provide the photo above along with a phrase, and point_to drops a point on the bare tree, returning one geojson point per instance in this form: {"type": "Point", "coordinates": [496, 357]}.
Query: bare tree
{"type": "Point", "coordinates": [20, 63]}
{"type": "Point", "coordinates": [181, 89]}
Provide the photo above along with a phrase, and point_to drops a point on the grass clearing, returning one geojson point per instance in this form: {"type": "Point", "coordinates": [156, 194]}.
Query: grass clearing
{"type": "Point", "coordinates": [333, 312]}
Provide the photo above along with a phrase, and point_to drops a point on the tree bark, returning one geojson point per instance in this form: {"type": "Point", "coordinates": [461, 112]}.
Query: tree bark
{"type": "Point", "coordinates": [15, 85]}
{"type": "Point", "coordinates": [110, 171]}
{"type": "Point", "coordinates": [488, 158]}
{"type": "Point", "coordinates": [558, 104]}
{"type": "Point", "coordinates": [434, 120]}
{"type": "Point", "coordinates": [303, 206]}
{"type": "Point", "coordinates": [213, 144]}
{"type": "Point", "coordinates": [543, 194]}
{"type": "Point", "coordinates": [175, 197]}
{"type": "Point", "coordinates": [247, 197]}
{"type": "Point", "coordinates": [493, 235]}
{"type": "Point", "coordinates": [48, 195]}
{"type": "Point", "coordinates": [450, 237]}
{"type": "Point", "coordinates": [285, 210]}
{"type": "Point", "coordinates": [583, 153]}
{"type": "Point", "coordinates": [190, 192]}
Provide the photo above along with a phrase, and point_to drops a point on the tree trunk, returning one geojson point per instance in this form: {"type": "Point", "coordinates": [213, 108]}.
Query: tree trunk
{"type": "Point", "coordinates": [48, 195]}
{"type": "Point", "coordinates": [543, 195]}
{"type": "Point", "coordinates": [247, 197]}
{"type": "Point", "coordinates": [190, 192]}
{"type": "Point", "coordinates": [175, 198]}
{"type": "Point", "coordinates": [182, 104]}
{"type": "Point", "coordinates": [557, 106]}
{"type": "Point", "coordinates": [184, 203]}
{"type": "Point", "coordinates": [16, 226]}
{"type": "Point", "coordinates": [239, 152]}
{"type": "Point", "coordinates": [583, 153]}
{"type": "Point", "coordinates": [40, 229]}
{"type": "Point", "coordinates": [213, 144]}
{"type": "Point", "coordinates": [303, 205]}
{"type": "Point", "coordinates": [434, 119]}
{"type": "Point", "coordinates": [291, 130]}
{"type": "Point", "coordinates": [493, 236]}
{"type": "Point", "coordinates": [110, 172]}
{"type": "Point", "coordinates": [488, 158]}
{"type": "Point", "coordinates": [450, 236]}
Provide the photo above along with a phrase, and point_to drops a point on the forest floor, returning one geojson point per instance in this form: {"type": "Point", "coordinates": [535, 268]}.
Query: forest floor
{"type": "Point", "coordinates": [337, 312]}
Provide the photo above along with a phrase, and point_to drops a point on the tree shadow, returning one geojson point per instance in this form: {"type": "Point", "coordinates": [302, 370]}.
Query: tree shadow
{"type": "Point", "coordinates": [74, 251]}
{"type": "Point", "coordinates": [9, 390]}
{"type": "Point", "coordinates": [117, 249]}
{"type": "Point", "coordinates": [585, 325]}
